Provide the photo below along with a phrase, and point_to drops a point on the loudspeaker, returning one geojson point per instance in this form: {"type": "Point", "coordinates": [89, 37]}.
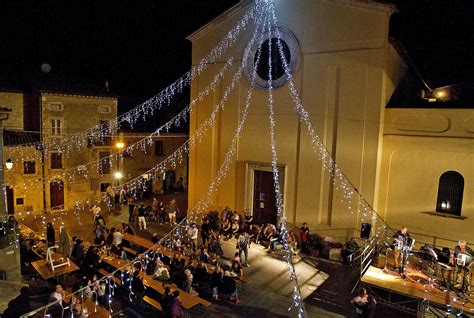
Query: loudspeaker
{"type": "Point", "coordinates": [365, 230]}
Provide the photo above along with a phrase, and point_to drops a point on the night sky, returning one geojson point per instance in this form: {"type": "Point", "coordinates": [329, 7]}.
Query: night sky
{"type": "Point", "coordinates": [140, 46]}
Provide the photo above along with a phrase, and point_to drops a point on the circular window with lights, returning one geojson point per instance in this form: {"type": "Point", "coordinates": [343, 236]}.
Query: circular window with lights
{"type": "Point", "coordinates": [271, 49]}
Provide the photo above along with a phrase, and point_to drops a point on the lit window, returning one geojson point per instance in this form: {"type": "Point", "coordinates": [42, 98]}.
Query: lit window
{"type": "Point", "coordinates": [56, 160]}
{"type": "Point", "coordinates": [104, 164]}
{"type": "Point", "coordinates": [158, 148]}
{"type": "Point", "coordinates": [56, 107]}
{"type": "Point", "coordinates": [104, 109]}
{"type": "Point", "coordinates": [56, 127]}
{"type": "Point", "coordinates": [450, 193]}
{"type": "Point", "coordinates": [29, 167]}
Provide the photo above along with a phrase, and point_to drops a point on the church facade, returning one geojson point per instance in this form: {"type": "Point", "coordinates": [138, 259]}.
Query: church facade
{"type": "Point", "coordinates": [346, 70]}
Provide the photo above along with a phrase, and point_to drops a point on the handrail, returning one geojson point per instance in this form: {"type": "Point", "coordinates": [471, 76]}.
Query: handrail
{"type": "Point", "coordinates": [436, 238]}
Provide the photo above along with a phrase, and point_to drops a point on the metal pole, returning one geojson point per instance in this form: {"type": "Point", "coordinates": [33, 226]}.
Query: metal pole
{"type": "Point", "coordinates": [4, 113]}
{"type": "Point", "coordinates": [43, 178]}
{"type": "Point", "coordinates": [3, 202]}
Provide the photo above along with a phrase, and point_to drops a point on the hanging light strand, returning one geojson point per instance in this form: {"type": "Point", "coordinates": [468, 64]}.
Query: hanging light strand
{"type": "Point", "coordinates": [100, 131]}
{"type": "Point", "coordinates": [206, 200]}
{"type": "Point", "coordinates": [297, 299]}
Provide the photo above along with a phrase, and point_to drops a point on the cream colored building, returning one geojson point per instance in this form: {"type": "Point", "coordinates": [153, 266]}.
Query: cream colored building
{"type": "Point", "coordinates": [55, 115]}
{"type": "Point", "coordinates": [156, 150]}
{"type": "Point", "coordinates": [346, 70]}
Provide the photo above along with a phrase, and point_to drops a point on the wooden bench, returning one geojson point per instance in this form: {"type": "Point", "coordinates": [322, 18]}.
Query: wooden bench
{"type": "Point", "coordinates": [153, 303]}
{"type": "Point", "coordinates": [130, 251]}
{"type": "Point", "coordinates": [106, 273]}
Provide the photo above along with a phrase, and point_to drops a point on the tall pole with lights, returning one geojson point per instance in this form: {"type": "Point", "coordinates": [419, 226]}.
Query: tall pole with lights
{"type": "Point", "coordinates": [118, 174]}
{"type": "Point", "coordinates": [9, 253]}
{"type": "Point", "coordinates": [4, 113]}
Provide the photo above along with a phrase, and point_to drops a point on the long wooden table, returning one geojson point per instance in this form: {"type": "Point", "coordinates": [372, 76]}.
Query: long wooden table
{"type": "Point", "coordinates": [140, 241]}
{"type": "Point", "coordinates": [93, 310]}
{"type": "Point", "coordinates": [44, 269]}
{"type": "Point", "coordinates": [188, 300]}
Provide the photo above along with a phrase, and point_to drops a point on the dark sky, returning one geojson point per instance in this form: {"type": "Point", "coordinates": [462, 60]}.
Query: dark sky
{"type": "Point", "coordinates": [140, 46]}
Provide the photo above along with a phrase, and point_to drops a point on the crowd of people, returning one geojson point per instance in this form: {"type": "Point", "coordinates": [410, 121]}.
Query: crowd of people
{"type": "Point", "coordinates": [204, 268]}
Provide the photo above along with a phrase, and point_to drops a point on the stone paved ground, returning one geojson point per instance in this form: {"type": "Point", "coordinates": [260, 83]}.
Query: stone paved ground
{"type": "Point", "coordinates": [268, 294]}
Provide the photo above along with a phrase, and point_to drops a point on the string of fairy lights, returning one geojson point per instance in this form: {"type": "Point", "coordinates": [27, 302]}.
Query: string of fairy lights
{"type": "Point", "coordinates": [206, 200]}
{"type": "Point", "coordinates": [102, 131]}
{"type": "Point", "coordinates": [125, 271]}
{"type": "Point", "coordinates": [297, 299]}
{"type": "Point", "coordinates": [82, 172]}
{"type": "Point", "coordinates": [382, 232]}
{"type": "Point", "coordinates": [267, 28]}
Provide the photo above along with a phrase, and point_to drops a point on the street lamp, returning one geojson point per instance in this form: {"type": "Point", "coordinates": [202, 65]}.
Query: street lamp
{"type": "Point", "coordinates": [118, 175]}
{"type": "Point", "coordinates": [9, 164]}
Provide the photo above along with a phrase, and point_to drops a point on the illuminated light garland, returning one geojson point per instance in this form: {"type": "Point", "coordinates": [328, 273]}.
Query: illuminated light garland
{"type": "Point", "coordinates": [84, 170]}
{"type": "Point", "coordinates": [108, 279]}
{"type": "Point", "coordinates": [197, 136]}
{"type": "Point", "coordinates": [297, 299]}
{"type": "Point", "coordinates": [205, 201]}
{"type": "Point", "coordinates": [71, 174]}
{"type": "Point", "coordinates": [340, 180]}
{"type": "Point", "coordinates": [98, 132]}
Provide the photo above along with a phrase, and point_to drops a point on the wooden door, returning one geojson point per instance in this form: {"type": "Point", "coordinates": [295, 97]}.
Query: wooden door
{"type": "Point", "coordinates": [10, 201]}
{"type": "Point", "coordinates": [264, 200]}
{"type": "Point", "coordinates": [57, 194]}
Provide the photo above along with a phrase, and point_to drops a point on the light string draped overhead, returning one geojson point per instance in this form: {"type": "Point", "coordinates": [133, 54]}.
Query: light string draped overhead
{"type": "Point", "coordinates": [200, 132]}
{"type": "Point", "coordinates": [382, 232]}
{"type": "Point", "coordinates": [79, 140]}
{"type": "Point", "coordinates": [297, 299]}
{"type": "Point", "coordinates": [206, 200]}
{"type": "Point", "coordinates": [83, 171]}
{"type": "Point", "coordinates": [177, 232]}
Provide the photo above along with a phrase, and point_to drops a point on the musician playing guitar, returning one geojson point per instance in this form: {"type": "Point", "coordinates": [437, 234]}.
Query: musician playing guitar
{"type": "Point", "coordinates": [400, 250]}
{"type": "Point", "coordinates": [464, 253]}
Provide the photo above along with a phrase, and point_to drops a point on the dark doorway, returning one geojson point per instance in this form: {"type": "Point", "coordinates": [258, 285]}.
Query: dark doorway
{"type": "Point", "coordinates": [450, 193]}
{"type": "Point", "coordinates": [264, 201]}
{"type": "Point", "coordinates": [169, 182]}
{"type": "Point", "coordinates": [10, 201]}
{"type": "Point", "coordinates": [56, 188]}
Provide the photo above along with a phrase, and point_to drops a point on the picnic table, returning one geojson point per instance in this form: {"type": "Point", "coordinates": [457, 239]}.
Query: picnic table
{"type": "Point", "coordinates": [44, 269]}
{"type": "Point", "coordinates": [188, 300]}
{"type": "Point", "coordinates": [140, 241]}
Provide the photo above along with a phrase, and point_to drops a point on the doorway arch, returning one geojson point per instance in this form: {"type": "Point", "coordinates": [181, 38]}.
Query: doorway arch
{"type": "Point", "coordinates": [56, 190]}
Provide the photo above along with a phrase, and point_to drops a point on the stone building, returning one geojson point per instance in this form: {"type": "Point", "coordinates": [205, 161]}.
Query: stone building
{"type": "Point", "coordinates": [57, 115]}
{"type": "Point", "coordinates": [156, 150]}
{"type": "Point", "coordinates": [346, 70]}
{"type": "Point", "coordinates": [45, 114]}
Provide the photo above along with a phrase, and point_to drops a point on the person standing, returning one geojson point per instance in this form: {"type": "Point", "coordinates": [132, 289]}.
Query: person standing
{"type": "Point", "coordinates": [131, 208]}
{"type": "Point", "coordinates": [193, 233]}
{"type": "Point", "coordinates": [64, 241]}
{"type": "Point", "coordinates": [172, 210]}
{"type": "Point", "coordinates": [50, 234]}
{"type": "Point", "coordinates": [205, 228]}
{"type": "Point", "coordinates": [304, 235]}
{"type": "Point", "coordinates": [243, 243]}
{"type": "Point", "coordinates": [175, 306]}
{"type": "Point", "coordinates": [154, 209]}
{"type": "Point", "coordinates": [461, 265]}
{"type": "Point", "coordinates": [117, 236]}
{"type": "Point", "coordinates": [141, 217]}
{"type": "Point", "coordinates": [216, 281]}
{"type": "Point", "coordinates": [161, 212]}
{"type": "Point", "coordinates": [400, 251]}
{"type": "Point", "coordinates": [364, 304]}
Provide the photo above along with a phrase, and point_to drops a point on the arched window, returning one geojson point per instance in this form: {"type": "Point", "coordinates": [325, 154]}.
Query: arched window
{"type": "Point", "coordinates": [450, 191]}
